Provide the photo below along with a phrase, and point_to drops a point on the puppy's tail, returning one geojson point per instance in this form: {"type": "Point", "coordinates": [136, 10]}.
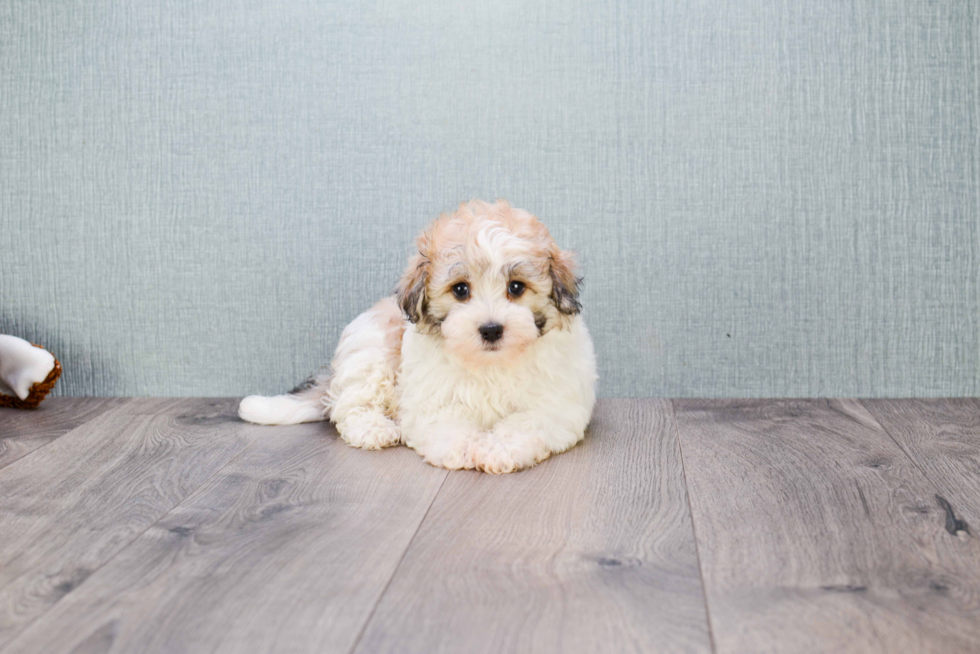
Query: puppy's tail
{"type": "Point", "coordinates": [309, 402]}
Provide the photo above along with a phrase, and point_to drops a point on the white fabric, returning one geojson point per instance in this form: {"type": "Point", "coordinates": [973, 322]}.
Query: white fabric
{"type": "Point", "coordinates": [22, 365]}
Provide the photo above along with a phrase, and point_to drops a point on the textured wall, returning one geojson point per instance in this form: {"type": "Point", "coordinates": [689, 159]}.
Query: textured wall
{"type": "Point", "coordinates": [770, 198]}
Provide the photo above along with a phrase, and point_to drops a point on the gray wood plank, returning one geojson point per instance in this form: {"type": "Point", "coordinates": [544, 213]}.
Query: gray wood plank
{"type": "Point", "coordinates": [590, 551]}
{"type": "Point", "coordinates": [286, 549]}
{"type": "Point", "coordinates": [218, 406]}
{"type": "Point", "coordinates": [23, 431]}
{"type": "Point", "coordinates": [816, 533]}
{"type": "Point", "coordinates": [69, 507]}
{"type": "Point", "coordinates": [943, 438]}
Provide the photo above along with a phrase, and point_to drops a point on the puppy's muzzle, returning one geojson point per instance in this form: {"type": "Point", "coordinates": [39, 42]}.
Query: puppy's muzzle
{"type": "Point", "coordinates": [492, 332]}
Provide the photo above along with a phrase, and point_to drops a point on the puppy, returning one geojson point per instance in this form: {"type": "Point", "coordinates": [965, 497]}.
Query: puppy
{"type": "Point", "coordinates": [480, 359]}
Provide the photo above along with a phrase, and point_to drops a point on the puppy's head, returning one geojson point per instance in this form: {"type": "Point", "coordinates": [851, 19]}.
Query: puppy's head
{"type": "Point", "coordinates": [489, 281]}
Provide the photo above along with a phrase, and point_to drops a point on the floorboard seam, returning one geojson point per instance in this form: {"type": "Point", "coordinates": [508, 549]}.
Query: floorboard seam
{"type": "Point", "coordinates": [938, 493]}
{"type": "Point", "coordinates": [11, 581]}
{"type": "Point", "coordinates": [394, 572]}
{"type": "Point", "coordinates": [54, 440]}
{"type": "Point", "coordinates": [126, 546]}
{"type": "Point", "coordinates": [694, 529]}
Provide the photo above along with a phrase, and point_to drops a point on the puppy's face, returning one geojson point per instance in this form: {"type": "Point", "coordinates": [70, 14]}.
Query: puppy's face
{"type": "Point", "coordinates": [488, 281]}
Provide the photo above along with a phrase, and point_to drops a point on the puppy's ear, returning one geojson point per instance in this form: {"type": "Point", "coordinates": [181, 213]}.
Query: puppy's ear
{"type": "Point", "coordinates": [564, 282]}
{"type": "Point", "coordinates": [410, 291]}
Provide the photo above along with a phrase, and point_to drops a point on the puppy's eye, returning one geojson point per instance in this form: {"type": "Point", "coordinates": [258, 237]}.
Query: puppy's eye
{"type": "Point", "coordinates": [461, 291]}
{"type": "Point", "coordinates": [516, 289]}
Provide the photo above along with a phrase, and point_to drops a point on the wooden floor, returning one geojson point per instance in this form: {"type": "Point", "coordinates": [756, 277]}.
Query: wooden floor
{"type": "Point", "coordinates": [154, 525]}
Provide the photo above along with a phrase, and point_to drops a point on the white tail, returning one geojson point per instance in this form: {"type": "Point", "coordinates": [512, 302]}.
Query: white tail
{"type": "Point", "coordinates": [282, 409]}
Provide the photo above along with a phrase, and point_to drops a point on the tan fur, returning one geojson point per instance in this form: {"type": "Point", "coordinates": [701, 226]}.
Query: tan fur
{"type": "Point", "coordinates": [425, 367]}
{"type": "Point", "coordinates": [454, 239]}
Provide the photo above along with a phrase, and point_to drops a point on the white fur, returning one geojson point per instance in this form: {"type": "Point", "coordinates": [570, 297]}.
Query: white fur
{"type": "Point", "coordinates": [497, 418]}
{"type": "Point", "coordinates": [22, 365]}
{"type": "Point", "coordinates": [278, 410]}
{"type": "Point", "coordinates": [437, 386]}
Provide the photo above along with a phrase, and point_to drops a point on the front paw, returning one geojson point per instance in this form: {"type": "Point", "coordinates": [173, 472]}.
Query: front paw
{"type": "Point", "coordinates": [455, 453]}
{"type": "Point", "coordinates": [506, 450]}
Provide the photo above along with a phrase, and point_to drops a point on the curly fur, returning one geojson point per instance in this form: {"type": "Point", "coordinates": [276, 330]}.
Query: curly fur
{"type": "Point", "coordinates": [415, 369]}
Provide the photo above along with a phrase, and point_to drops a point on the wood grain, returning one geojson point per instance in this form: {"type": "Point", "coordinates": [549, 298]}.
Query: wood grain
{"type": "Point", "coordinates": [287, 549]}
{"type": "Point", "coordinates": [817, 533]}
{"type": "Point", "coordinates": [591, 551]}
{"type": "Point", "coordinates": [71, 506]}
{"type": "Point", "coordinates": [23, 431]}
{"type": "Point", "coordinates": [223, 409]}
{"type": "Point", "coordinates": [942, 436]}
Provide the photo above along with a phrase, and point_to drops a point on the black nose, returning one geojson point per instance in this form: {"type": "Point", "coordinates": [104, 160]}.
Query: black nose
{"type": "Point", "coordinates": [492, 331]}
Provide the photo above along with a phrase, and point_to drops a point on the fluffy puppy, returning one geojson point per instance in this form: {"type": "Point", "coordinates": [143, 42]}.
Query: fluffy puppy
{"type": "Point", "coordinates": [480, 359]}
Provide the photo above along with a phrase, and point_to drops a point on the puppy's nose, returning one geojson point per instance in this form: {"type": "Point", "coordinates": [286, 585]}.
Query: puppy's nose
{"type": "Point", "coordinates": [492, 331]}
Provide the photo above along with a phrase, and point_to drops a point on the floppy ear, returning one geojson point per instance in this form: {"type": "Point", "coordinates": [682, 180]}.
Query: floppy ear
{"type": "Point", "coordinates": [410, 291]}
{"type": "Point", "coordinates": [565, 283]}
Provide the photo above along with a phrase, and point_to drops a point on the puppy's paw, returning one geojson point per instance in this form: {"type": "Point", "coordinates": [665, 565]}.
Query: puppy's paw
{"type": "Point", "coordinates": [369, 431]}
{"type": "Point", "coordinates": [507, 450]}
{"type": "Point", "coordinates": [450, 450]}
{"type": "Point", "coordinates": [456, 456]}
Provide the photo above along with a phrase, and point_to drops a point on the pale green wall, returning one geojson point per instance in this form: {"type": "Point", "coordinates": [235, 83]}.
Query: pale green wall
{"type": "Point", "coordinates": [770, 198]}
